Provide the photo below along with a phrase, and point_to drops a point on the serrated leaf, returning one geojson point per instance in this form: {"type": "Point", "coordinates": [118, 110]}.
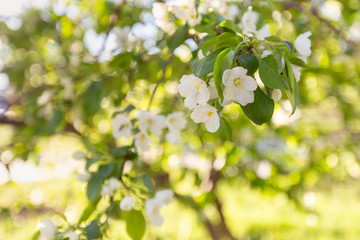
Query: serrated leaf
{"type": "Point", "coordinates": [135, 224]}
{"type": "Point", "coordinates": [261, 110]}
{"type": "Point", "coordinates": [269, 75]}
{"type": "Point", "coordinates": [248, 62]}
{"type": "Point", "coordinates": [178, 38]}
{"type": "Point", "coordinates": [94, 187]}
{"type": "Point", "coordinates": [205, 65]}
{"type": "Point", "coordinates": [228, 24]}
{"type": "Point", "coordinates": [92, 230]}
{"type": "Point", "coordinates": [223, 61]}
{"type": "Point", "coordinates": [225, 129]}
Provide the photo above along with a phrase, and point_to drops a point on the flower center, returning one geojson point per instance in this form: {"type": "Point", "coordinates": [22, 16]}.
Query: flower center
{"type": "Point", "coordinates": [238, 82]}
{"type": "Point", "coordinates": [209, 114]}
{"type": "Point", "coordinates": [197, 86]}
{"type": "Point", "coordinates": [142, 137]}
{"type": "Point", "coordinates": [172, 120]}
{"type": "Point", "coordinates": [149, 121]}
{"type": "Point", "coordinates": [125, 125]}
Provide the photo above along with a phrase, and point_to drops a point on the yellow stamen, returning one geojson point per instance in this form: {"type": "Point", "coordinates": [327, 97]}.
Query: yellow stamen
{"type": "Point", "coordinates": [238, 82]}
{"type": "Point", "coordinates": [197, 86]}
{"type": "Point", "coordinates": [125, 125]}
{"type": "Point", "coordinates": [209, 114]}
{"type": "Point", "coordinates": [149, 121]}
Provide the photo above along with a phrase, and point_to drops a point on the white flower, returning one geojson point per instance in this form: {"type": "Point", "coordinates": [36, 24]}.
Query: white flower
{"type": "Point", "coordinates": [162, 18]}
{"type": "Point", "coordinates": [114, 184]}
{"type": "Point", "coordinates": [127, 203]}
{"type": "Point", "coordinates": [263, 170]}
{"type": "Point", "coordinates": [83, 176]}
{"type": "Point", "coordinates": [303, 44]}
{"type": "Point", "coordinates": [173, 137]}
{"type": "Point", "coordinates": [185, 9]}
{"type": "Point", "coordinates": [78, 155]}
{"type": "Point", "coordinates": [73, 236]}
{"type": "Point", "coordinates": [239, 86]}
{"type": "Point", "coordinates": [263, 32]}
{"type": "Point", "coordinates": [176, 121]}
{"type": "Point", "coordinates": [249, 21]}
{"type": "Point", "coordinates": [142, 141]}
{"type": "Point", "coordinates": [121, 126]}
{"type": "Point", "coordinates": [207, 114]}
{"type": "Point", "coordinates": [276, 95]}
{"type": "Point", "coordinates": [194, 90]}
{"type": "Point", "coordinates": [148, 120]}
{"type": "Point", "coordinates": [165, 196]}
{"type": "Point", "coordinates": [105, 190]}
{"type": "Point", "coordinates": [153, 205]}
{"type": "Point", "coordinates": [296, 71]}
{"type": "Point", "coordinates": [47, 230]}
{"type": "Point", "coordinates": [266, 53]}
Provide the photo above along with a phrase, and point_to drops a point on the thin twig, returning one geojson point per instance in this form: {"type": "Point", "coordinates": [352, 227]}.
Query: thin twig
{"type": "Point", "coordinates": [161, 78]}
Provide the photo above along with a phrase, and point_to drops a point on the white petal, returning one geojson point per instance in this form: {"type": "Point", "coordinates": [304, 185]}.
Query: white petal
{"type": "Point", "coordinates": [213, 123]}
{"type": "Point", "coordinates": [244, 97]}
{"type": "Point", "coordinates": [198, 115]}
{"type": "Point", "coordinates": [190, 101]}
{"type": "Point", "coordinates": [203, 95]}
{"type": "Point", "coordinates": [230, 92]}
{"type": "Point", "coordinates": [249, 83]}
{"type": "Point", "coordinates": [276, 95]}
{"type": "Point", "coordinates": [227, 78]}
{"type": "Point", "coordinates": [263, 32]}
{"type": "Point", "coordinates": [303, 44]}
{"type": "Point", "coordinates": [238, 72]}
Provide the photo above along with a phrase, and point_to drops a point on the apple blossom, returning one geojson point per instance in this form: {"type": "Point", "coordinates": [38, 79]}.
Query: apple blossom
{"type": "Point", "coordinates": [303, 44]}
{"type": "Point", "coordinates": [121, 126]}
{"type": "Point", "coordinates": [248, 24]}
{"type": "Point", "coordinates": [173, 137]}
{"type": "Point", "coordinates": [266, 53]}
{"type": "Point", "coordinates": [185, 9]}
{"type": "Point", "coordinates": [208, 115]}
{"type": "Point", "coordinates": [176, 121]}
{"type": "Point", "coordinates": [47, 229]}
{"type": "Point", "coordinates": [127, 203]}
{"type": "Point", "coordinates": [239, 86]}
{"type": "Point", "coordinates": [149, 121]}
{"type": "Point", "coordinates": [153, 205]}
{"type": "Point", "coordinates": [276, 95]}
{"type": "Point", "coordinates": [83, 176]}
{"type": "Point", "coordinates": [114, 184]}
{"type": "Point", "coordinates": [162, 18]}
{"type": "Point", "coordinates": [78, 155]}
{"type": "Point", "coordinates": [73, 236]}
{"type": "Point", "coordinates": [142, 141]}
{"type": "Point", "coordinates": [194, 90]}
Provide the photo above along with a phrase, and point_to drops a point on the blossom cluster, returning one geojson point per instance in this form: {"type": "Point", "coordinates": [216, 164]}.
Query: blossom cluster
{"type": "Point", "coordinates": [148, 122]}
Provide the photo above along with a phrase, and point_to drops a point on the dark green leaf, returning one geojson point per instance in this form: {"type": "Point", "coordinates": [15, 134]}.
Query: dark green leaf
{"type": "Point", "coordinates": [105, 170]}
{"type": "Point", "coordinates": [269, 75]}
{"type": "Point", "coordinates": [92, 230]}
{"type": "Point", "coordinates": [135, 224]}
{"type": "Point", "coordinates": [228, 24]}
{"type": "Point", "coordinates": [55, 121]}
{"type": "Point", "coordinates": [225, 129]}
{"type": "Point", "coordinates": [120, 151]}
{"type": "Point", "coordinates": [147, 182]}
{"type": "Point", "coordinates": [289, 45]}
{"type": "Point", "coordinates": [205, 65]}
{"type": "Point", "coordinates": [224, 61]}
{"type": "Point", "coordinates": [92, 98]}
{"type": "Point", "coordinates": [248, 62]}
{"type": "Point", "coordinates": [94, 187]}
{"type": "Point", "coordinates": [297, 61]}
{"type": "Point", "coordinates": [178, 38]}
{"type": "Point", "coordinates": [261, 110]}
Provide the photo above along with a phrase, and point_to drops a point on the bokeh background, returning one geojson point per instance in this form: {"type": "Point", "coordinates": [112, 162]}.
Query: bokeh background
{"type": "Point", "coordinates": [294, 178]}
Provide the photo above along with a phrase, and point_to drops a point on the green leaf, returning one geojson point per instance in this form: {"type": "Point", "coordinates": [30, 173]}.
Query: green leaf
{"type": "Point", "coordinates": [269, 75]}
{"type": "Point", "coordinates": [88, 211]}
{"type": "Point", "coordinates": [94, 187]}
{"type": "Point", "coordinates": [92, 230]}
{"type": "Point", "coordinates": [249, 62]}
{"type": "Point", "coordinates": [297, 61]}
{"type": "Point", "coordinates": [289, 45]}
{"type": "Point", "coordinates": [178, 38]}
{"type": "Point", "coordinates": [293, 85]}
{"type": "Point", "coordinates": [225, 129]}
{"type": "Point", "coordinates": [120, 151]}
{"type": "Point", "coordinates": [36, 235]}
{"type": "Point", "coordinates": [135, 224]}
{"type": "Point", "coordinates": [147, 182]}
{"type": "Point", "coordinates": [261, 110]}
{"type": "Point", "coordinates": [92, 98]}
{"type": "Point", "coordinates": [273, 39]}
{"type": "Point", "coordinates": [224, 61]}
{"type": "Point", "coordinates": [205, 65]}
{"type": "Point", "coordinates": [105, 170]}
{"type": "Point", "coordinates": [55, 121]}
{"type": "Point", "coordinates": [225, 40]}
{"type": "Point", "coordinates": [228, 24]}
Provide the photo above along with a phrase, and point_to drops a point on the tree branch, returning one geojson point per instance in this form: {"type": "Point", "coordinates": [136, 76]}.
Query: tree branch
{"type": "Point", "coordinates": [161, 79]}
